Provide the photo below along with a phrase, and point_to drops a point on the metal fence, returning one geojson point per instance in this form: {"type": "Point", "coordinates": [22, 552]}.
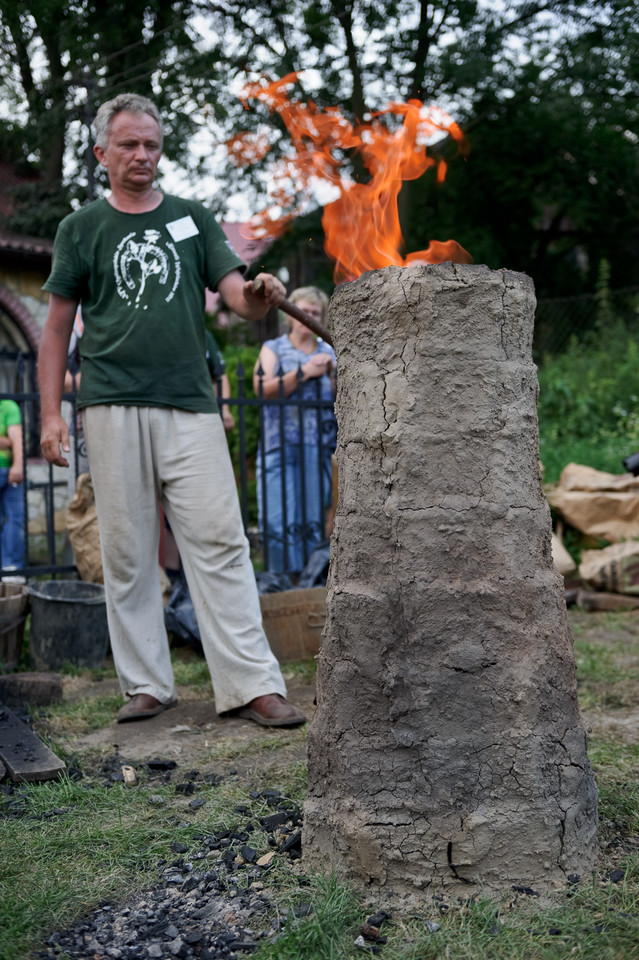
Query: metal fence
{"type": "Point", "coordinates": [559, 319]}
{"type": "Point", "coordinates": [41, 489]}
{"type": "Point", "coordinates": [300, 523]}
{"type": "Point", "coordinates": [46, 489]}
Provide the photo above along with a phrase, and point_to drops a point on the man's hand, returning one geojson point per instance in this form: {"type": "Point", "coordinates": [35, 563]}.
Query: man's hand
{"type": "Point", "coordinates": [266, 289]}
{"type": "Point", "coordinates": [54, 436]}
{"type": "Point", "coordinates": [251, 299]}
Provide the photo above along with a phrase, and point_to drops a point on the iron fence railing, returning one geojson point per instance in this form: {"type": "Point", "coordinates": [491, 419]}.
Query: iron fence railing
{"type": "Point", "coordinates": [559, 319]}
{"type": "Point", "coordinates": [46, 490]}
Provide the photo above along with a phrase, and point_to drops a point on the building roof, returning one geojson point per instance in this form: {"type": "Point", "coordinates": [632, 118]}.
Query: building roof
{"type": "Point", "coordinates": [247, 249]}
{"type": "Point", "coordinates": [9, 180]}
{"type": "Point", "coordinates": [35, 251]}
{"type": "Point", "coordinates": [27, 247]}
{"type": "Point", "coordinates": [12, 245]}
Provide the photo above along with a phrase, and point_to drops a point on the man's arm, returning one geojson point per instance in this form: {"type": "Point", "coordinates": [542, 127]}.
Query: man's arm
{"type": "Point", "coordinates": [239, 295]}
{"type": "Point", "coordinates": [227, 417]}
{"type": "Point", "coordinates": [16, 470]}
{"type": "Point", "coordinates": [52, 364]}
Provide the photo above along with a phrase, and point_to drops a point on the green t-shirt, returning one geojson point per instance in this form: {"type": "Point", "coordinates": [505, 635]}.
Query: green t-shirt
{"type": "Point", "coordinates": [141, 278]}
{"type": "Point", "coordinates": [9, 417]}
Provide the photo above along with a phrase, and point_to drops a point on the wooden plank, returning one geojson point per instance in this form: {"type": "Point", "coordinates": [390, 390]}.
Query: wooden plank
{"type": "Point", "coordinates": [23, 753]}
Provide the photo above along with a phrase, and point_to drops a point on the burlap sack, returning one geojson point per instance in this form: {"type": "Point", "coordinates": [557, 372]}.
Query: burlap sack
{"type": "Point", "coordinates": [82, 526]}
{"type": "Point", "coordinates": [561, 558]}
{"type": "Point", "coordinates": [598, 504]}
{"type": "Point", "coordinates": [614, 569]}
{"type": "Point", "coordinates": [84, 536]}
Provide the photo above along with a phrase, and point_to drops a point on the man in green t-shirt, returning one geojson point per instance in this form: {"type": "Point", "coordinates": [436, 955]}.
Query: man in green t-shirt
{"type": "Point", "coordinates": [11, 489]}
{"type": "Point", "coordinates": [139, 263]}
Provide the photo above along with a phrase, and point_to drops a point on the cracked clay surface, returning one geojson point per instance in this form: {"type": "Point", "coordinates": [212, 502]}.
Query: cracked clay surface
{"type": "Point", "coordinates": [447, 748]}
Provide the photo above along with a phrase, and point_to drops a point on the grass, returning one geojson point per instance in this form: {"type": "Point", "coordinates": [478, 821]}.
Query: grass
{"type": "Point", "coordinates": [84, 716]}
{"type": "Point", "coordinates": [607, 455]}
{"type": "Point", "coordinates": [593, 921]}
{"type": "Point", "coordinates": [95, 847]}
{"type": "Point", "coordinates": [608, 673]}
{"type": "Point", "coordinates": [88, 842]}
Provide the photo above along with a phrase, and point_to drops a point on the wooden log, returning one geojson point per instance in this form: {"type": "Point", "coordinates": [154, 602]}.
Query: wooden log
{"type": "Point", "coordinates": [594, 600]}
{"type": "Point", "coordinates": [36, 689]}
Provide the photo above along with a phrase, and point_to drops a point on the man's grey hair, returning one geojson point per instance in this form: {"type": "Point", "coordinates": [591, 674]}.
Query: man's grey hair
{"type": "Point", "coordinates": [132, 103]}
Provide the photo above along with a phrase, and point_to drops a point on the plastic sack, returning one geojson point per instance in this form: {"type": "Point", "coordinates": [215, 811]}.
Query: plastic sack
{"type": "Point", "coordinates": [82, 527]}
{"type": "Point", "coordinates": [268, 582]}
{"type": "Point", "coordinates": [179, 616]}
{"type": "Point", "coordinates": [561, 558]}
{"type": "Point", "coordinates": [315, 573]}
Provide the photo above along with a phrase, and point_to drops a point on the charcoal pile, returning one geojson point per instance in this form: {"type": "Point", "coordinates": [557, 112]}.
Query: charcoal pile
{"type": "Point", "coordinates": [209, 903]}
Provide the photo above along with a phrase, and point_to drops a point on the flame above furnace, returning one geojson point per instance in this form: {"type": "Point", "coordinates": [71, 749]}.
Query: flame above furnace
{"type": "Point", "coordinates": [361, 225]}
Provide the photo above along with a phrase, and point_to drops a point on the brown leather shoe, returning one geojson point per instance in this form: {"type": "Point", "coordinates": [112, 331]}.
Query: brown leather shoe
{"type": "Point", "coordinates": [272, 710]}
{"type": "Point", "coordinates": [141, 706]}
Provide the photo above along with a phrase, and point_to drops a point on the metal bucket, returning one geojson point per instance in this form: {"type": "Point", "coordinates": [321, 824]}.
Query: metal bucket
{"type": "Point", "coordinates": [68, 624]}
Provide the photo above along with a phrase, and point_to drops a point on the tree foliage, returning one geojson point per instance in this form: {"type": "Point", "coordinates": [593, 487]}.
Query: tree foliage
{"type": "Point", "coordinates": [551, 181]}
{"type": "Point", "coordinates": [60, 60]}
{"type": "Point", "coordinates": [545, 90]}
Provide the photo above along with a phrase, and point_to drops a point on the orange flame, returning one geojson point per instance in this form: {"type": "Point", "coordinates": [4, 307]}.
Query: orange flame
{"type": "Point", "coordinates": [361, 225]}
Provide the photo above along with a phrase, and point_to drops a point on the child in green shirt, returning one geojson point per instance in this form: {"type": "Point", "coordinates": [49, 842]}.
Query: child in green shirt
{"type": "Point", "coordinates": [11, 488]}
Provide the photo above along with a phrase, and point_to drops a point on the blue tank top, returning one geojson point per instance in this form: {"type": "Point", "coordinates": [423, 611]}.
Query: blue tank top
{"type": "Point", "coordinates": [297, 423]}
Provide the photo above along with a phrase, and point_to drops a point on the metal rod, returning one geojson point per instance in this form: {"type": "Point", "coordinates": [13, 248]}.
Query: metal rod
{"type": "Point", "coordinates": [293, 310]}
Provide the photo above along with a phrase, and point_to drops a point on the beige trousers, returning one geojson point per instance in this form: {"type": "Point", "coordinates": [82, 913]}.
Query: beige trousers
{"type": "Point", "coordinates": [142, 455]}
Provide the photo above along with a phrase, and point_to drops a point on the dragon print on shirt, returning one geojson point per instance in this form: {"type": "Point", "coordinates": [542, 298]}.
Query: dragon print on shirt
{"type": "Point", "coordinates": [141, 265]}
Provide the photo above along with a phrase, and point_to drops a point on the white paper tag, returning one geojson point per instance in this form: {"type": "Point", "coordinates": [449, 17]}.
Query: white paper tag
{"type": "Point", "coordinates": [182, 229]}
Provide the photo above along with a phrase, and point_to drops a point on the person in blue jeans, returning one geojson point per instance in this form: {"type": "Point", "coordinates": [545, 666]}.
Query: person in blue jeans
{"type": "Point", "coordinates": [11, 486]}
{"type": "Point", "coordinates": [297, 441]}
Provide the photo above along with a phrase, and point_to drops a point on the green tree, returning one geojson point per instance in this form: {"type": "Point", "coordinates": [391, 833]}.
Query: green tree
{"type": "Point", "coordinates": [59, 60]}
{"type": "Point", "coordinates": [551, 181]}
{"type": "Point", "coordinates": [545, 92]}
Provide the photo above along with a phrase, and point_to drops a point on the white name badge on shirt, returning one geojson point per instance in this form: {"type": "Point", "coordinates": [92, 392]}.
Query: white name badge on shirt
{"type": "Point", "coordinates": [182, 229]}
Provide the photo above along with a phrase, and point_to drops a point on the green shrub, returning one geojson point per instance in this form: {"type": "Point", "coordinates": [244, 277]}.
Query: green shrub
{"type": "Point", "coordinates": [240, 361]}
{"type": "Point", "coordinates": [589, 396]}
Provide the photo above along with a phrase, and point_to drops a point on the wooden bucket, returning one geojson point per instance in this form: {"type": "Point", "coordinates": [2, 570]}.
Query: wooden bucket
{"type": "Point", "coordinates": [14, 607]}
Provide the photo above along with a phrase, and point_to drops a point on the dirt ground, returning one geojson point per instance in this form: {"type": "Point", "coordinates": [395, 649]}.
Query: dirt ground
{"type": "Point", "coordinates": [607, 652]}
{"type": "Point", "coordinates": [191, 733]}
